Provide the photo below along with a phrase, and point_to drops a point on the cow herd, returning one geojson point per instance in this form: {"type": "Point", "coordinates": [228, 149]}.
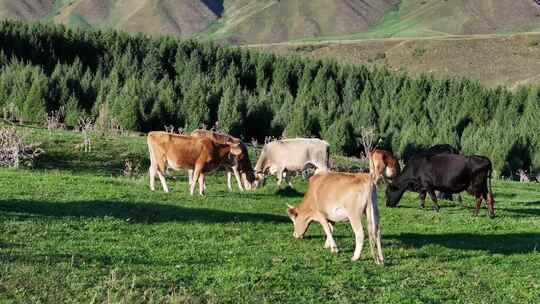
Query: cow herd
{"type": "Point", "coordinates": [331, 196]}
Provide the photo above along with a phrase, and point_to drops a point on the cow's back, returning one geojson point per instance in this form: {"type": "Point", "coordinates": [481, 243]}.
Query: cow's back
{"type": "Point", "coordinates": [217, 137]}
{"type": "Point", "coordinates": [293, 154]}
{"type": "Point", "coordinates": [180, 150]}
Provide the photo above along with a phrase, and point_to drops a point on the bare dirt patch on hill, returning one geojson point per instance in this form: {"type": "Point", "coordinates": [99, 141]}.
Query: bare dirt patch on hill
{"type": "Point", "coordinates": [493, 60]}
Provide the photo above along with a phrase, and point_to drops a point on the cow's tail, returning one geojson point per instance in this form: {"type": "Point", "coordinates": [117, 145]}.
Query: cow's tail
{"type": "Point", "coordinates": [328, 157]}
{"type": "Point", "coordinates": [151, 152]}
{"type": "Point", "coordinates": [372, 214]}
{"type": "Point", "coordinates": [489, 177]}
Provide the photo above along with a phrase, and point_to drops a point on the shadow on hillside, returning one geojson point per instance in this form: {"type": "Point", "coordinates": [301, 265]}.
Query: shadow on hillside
{"type": "Point", "coordinates": [74, 259]}
{"type": "Point", "coordinates": [215, 6]}
{"type": "Point", "coordinates": [510, 243]}
{"type": "Point", "coordinates": [79, 163]}
{"type": "Point", "coordinates": [140, 212]}
{"type": "Point", "coordinates": [91, 163]}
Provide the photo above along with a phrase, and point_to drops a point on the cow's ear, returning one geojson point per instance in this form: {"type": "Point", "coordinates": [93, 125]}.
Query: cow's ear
{"type": "Point", "coordinates": [235, 149]}
{"type": "Point", "coordinates": [292, 211]}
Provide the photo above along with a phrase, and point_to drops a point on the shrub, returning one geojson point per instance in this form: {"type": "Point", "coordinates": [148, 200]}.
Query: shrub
{"type": "Point", "coordinates": [14, 152]}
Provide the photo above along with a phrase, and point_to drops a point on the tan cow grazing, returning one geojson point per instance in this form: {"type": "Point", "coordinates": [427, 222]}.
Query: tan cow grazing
{"type": "Point", "coordinates": [186, 152]}
{"type": "Point", "coordinates": [242, 170]}
{"type": "Point", "coordinates": [283, 156]}
{"type": "Point", "coordinates": [339, 196]}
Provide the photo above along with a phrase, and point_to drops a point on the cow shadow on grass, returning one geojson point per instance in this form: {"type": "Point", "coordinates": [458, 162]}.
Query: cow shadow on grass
{"type": "Point", "coordinates": [521, 212]}
{"type": "Point", "coordinates": [137, 212]}
{"type": "Point", "coordinates": [289, 192]}
{"type": "Point", "coordinates": [507, 244]}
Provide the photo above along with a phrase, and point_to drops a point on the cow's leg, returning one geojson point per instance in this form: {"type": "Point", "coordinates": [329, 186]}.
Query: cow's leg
{"type": "Point", "coordinates": [330, 243]}
{"type": "Point", "coordinates": [358, 230]}
{"type": "Point", "coordinates": [196, 174]}
{"type": "Point", "coordinates": [190, 177]}
{"type": "Point", "coordinates": [327, 241]}
{"type": "Point", "coordinates": [288, 179]}
{"type": "Point", "coordinates": [434, 199]}
{"type": "Point", "coordinates": [152, 173]}
{"type": "Point", "coordinates": [491, 204]}
{"type": "Point", "coordinates": [478, 204]}
{"type": "Point", "coordinates": [229, 177]}
{"type": "Point", "coordinates": [372, 214]}
{"type": "Point", "coordinates": [237, 176]}
{"type": "Point", "coordinates": [279, 175]}
{"type": "Point", "coordinates": [422, 199]}
{"type": "Point", "coordinates": [163, 182]}
{"type": "Point", "coordinates": [202, 184]}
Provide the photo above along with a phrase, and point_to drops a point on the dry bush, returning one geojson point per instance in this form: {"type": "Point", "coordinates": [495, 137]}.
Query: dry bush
{"type": "Point", "coordinates": [108, 126]}
{"type": "Point", "coordinates": [53, 120]}
{"type": "Point", "coordinates": [131, 168]}
{"type": "Point", "coordinates": [86, 127]}
{"type": "Point", "coordinates": [115, 129]}
{"type": "Point", "coordinates": [11, 112]}
{"type": "Point", "coordinates": [523, 177]}
{"type": "Point", "coordinates": [14, 152]}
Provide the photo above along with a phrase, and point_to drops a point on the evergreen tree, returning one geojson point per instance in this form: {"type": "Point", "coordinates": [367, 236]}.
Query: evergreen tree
{"type": "Point", "coordinates": [230, 113]}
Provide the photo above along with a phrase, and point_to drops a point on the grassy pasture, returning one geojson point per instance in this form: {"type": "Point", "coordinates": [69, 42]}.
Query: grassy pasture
{"type": "Point", "coordinates": [75, 230]}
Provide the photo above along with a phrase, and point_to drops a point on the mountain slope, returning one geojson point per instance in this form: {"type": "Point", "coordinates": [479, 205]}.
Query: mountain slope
{"type": "Point", "coordinates": [25, 9]}
{"type": "Point", "coordinates": [252, 21]}
{"type": "Point", "coordinates": [267, 21]}
{"type": "Point", "coordinates": [423, 18]}
{"type": "Point", "coordinates": [156, 17]}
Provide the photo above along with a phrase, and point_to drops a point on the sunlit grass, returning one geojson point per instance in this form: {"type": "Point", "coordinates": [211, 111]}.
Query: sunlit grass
{"type": "Point", "coordinates": [82, 232]}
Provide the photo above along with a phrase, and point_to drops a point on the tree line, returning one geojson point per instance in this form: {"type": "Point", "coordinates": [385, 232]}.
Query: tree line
{"type": "Point", "coordinates": [146, 83]}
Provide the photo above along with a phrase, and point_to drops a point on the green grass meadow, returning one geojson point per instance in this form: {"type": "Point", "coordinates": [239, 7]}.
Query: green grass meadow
{"type": "Point", "coordinates": [74, 229]}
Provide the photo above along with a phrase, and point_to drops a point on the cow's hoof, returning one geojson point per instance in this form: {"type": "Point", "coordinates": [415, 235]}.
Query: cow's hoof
{"type": "Point", "coordinates": [355, 258]}
{"type": "Point", "coordinates": [422, 207]}
{"type": "Point", "coordinates": [436, 208]}
{"type": "Point", "coordinates": [334, 249]}
{"type": "Point", "coordinates": [492, 216]}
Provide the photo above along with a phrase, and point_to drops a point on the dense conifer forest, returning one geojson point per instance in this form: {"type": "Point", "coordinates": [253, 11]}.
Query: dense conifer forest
{"type": "Point", "coordinates": [144, 84]}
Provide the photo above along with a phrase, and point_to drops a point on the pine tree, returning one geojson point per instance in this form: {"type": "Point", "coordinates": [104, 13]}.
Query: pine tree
{"type": "Point", "coordinates": [230, 113]}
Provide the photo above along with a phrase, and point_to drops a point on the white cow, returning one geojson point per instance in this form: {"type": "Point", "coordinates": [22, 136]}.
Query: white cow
{"type": "Point", "coordinates": [289, 155]}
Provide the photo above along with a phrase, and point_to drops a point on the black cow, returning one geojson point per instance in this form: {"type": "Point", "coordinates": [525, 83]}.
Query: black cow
{"type": "Point", "coordinates": [449, 173]}
{"type": "Point", "coordinates": [439, 149]}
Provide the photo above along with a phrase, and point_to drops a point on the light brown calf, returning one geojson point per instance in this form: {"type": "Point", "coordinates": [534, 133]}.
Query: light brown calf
{"type": "Point", "coordinates": [186, 152]}
{"type": "Point", "coordinates": [338, 196]}
{"type": "Point", "coordinates": [242, 167]}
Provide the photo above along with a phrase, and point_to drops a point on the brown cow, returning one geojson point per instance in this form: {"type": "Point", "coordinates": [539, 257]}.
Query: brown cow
{"type": "Point", "coordinates": [186, 152]}
{"type": "Point", "coordinates": [340, 196]}
{"type": "Point", "coordinates": [241, 167]}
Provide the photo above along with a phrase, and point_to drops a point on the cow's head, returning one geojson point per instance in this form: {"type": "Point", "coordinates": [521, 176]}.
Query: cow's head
{"type": "Point", "coordinates": [384, 164]}
{"type": "Point", "coordinates": [239, 158]}
{"type": "Point", "coordinates": [235, 152]}
{"type": "Point", "coordinates": [300, 221]}
{"type": "Point", "coordinates": [393, 195]}
{"type": "Point", "coordinates": [260, 179]}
